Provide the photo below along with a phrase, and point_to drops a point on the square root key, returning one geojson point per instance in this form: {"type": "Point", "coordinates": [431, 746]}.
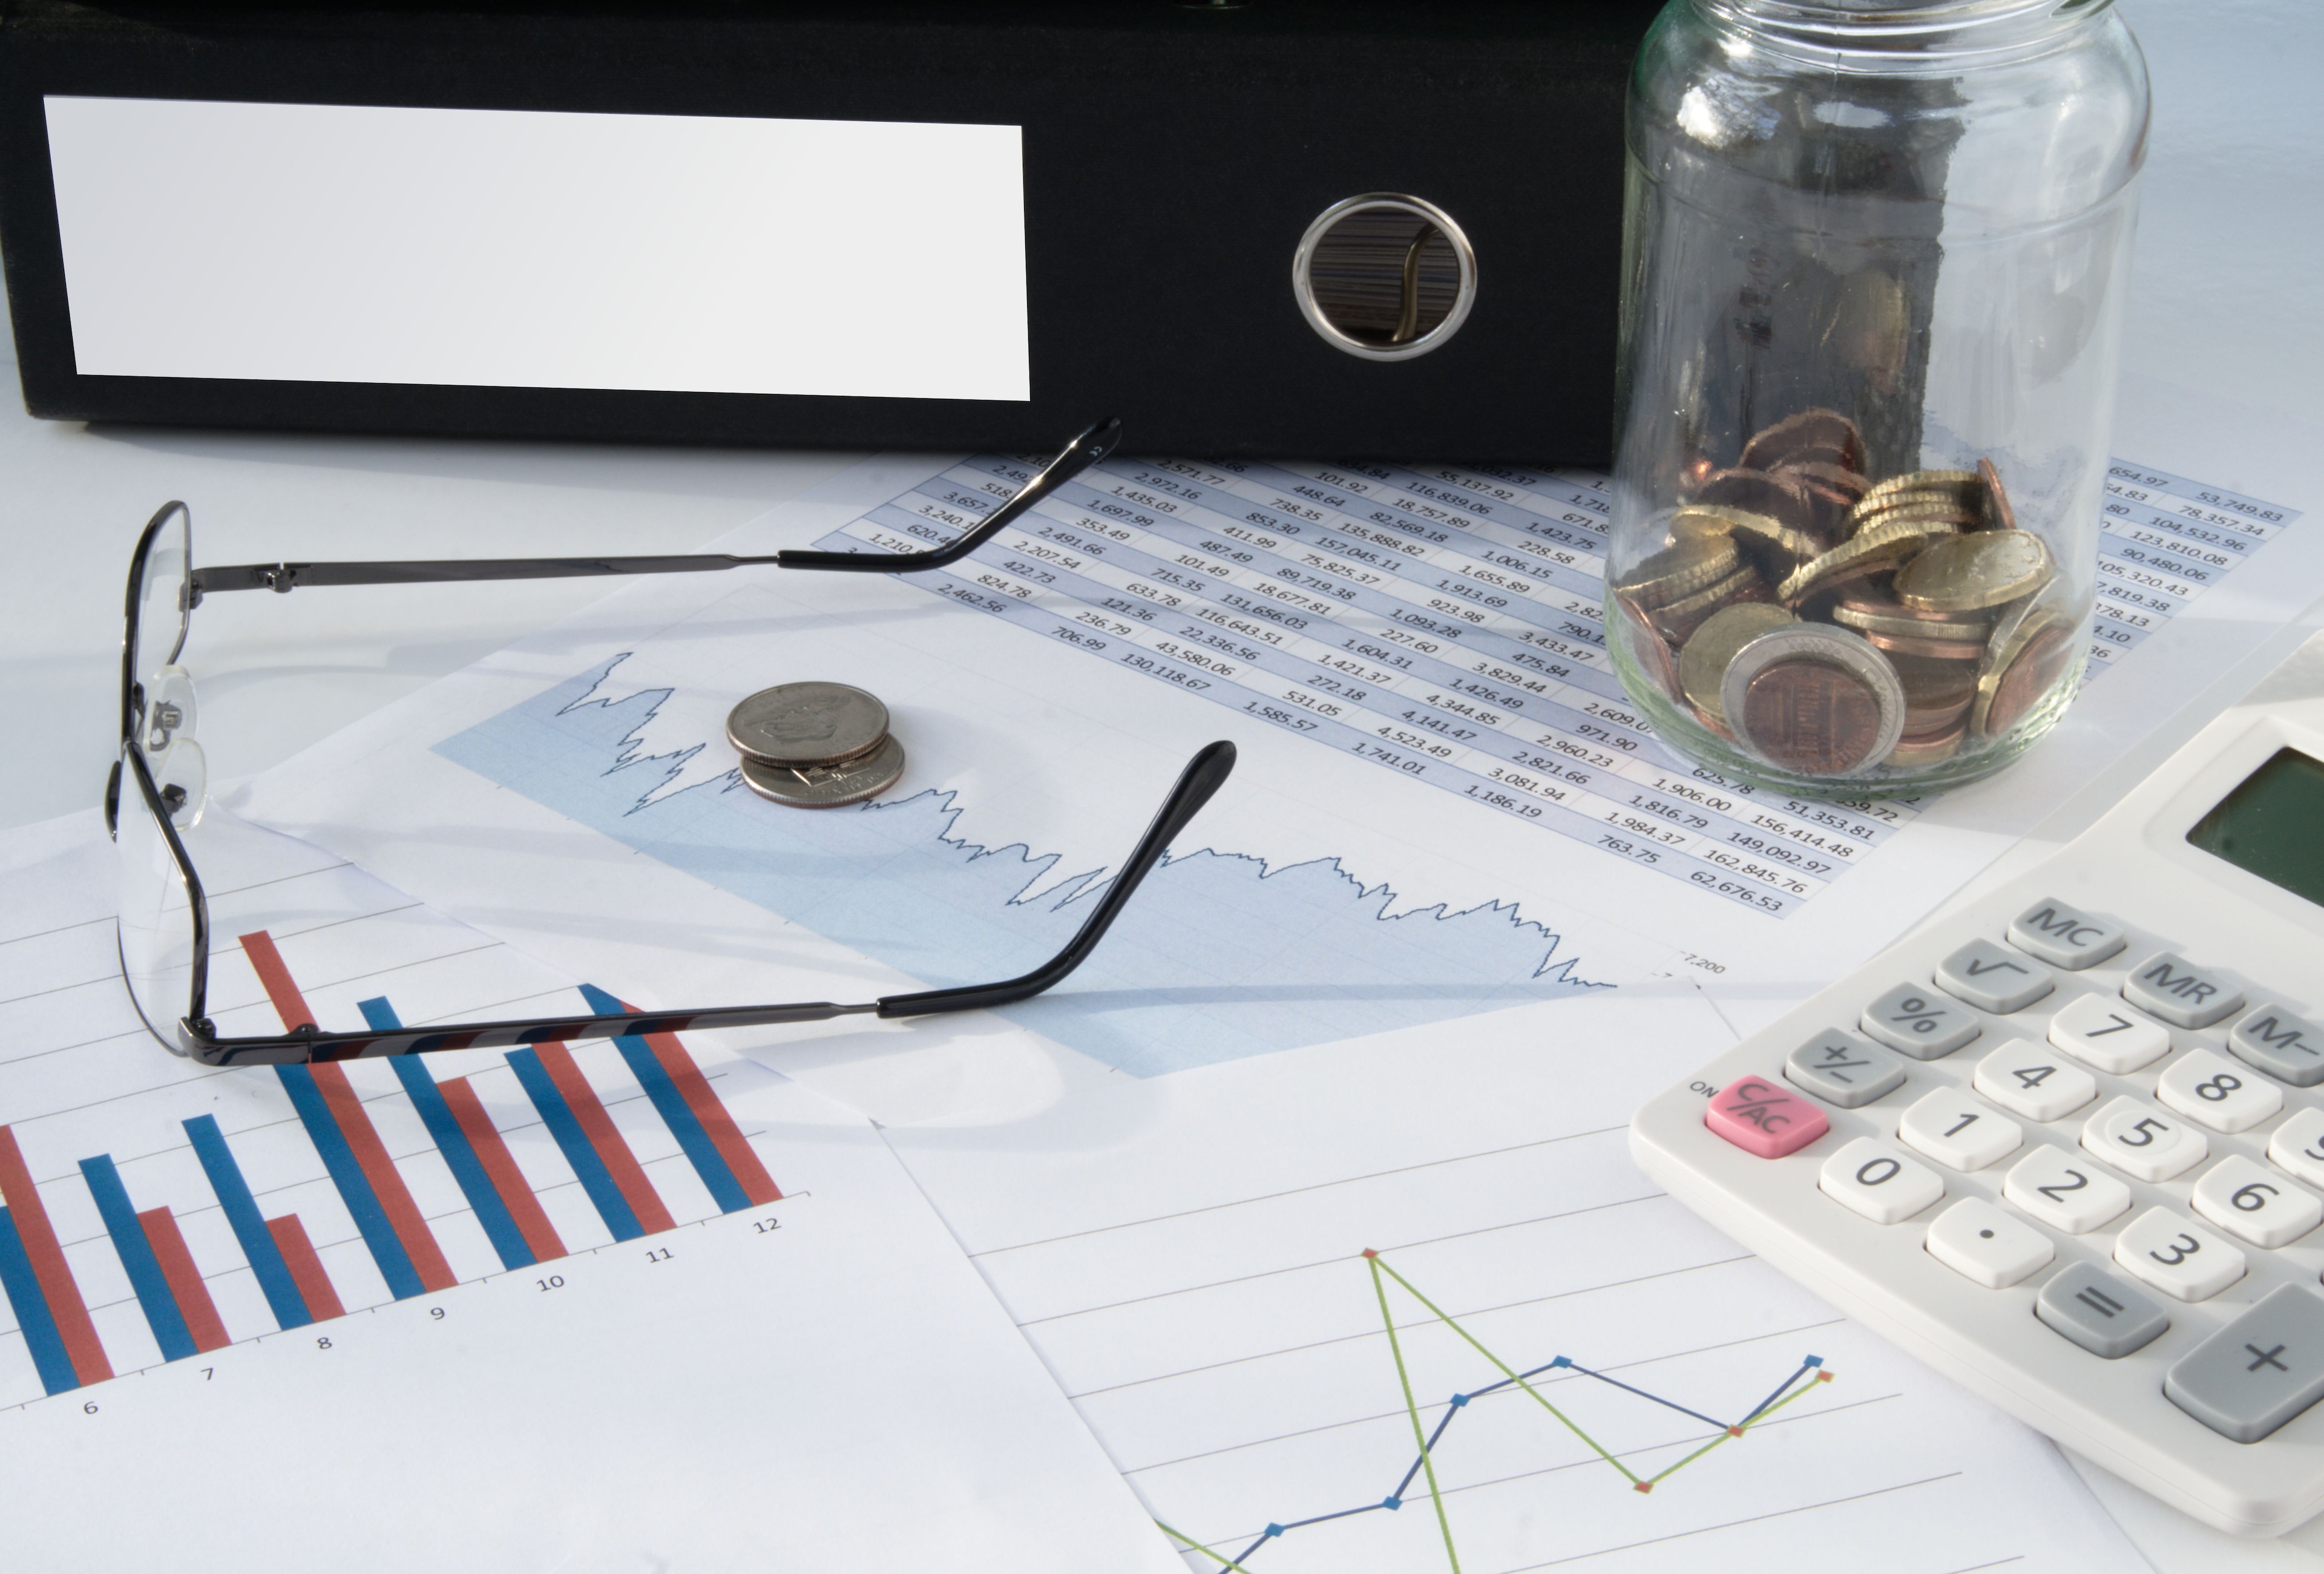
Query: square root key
{"type": "Point", "coordinates": [1993, 978]}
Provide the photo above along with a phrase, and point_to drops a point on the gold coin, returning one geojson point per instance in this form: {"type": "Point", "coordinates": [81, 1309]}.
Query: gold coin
{"type": "Point", "coordinates": [1956, 482]}
{"type": "Point", "coordinates": [1680, 570]}
{"type": "Point", "coordinates": [1934, 690]}
{"type": "Point", "coordinates": [2031, 651]}
{"type": "Point", "coordinates": [1763, 538]}
{"type": "Point", "coordinates": [1872, 614]}
{"type": "Point", "coordinates": [1702, 659]}
{"type": "Point", "coordinates": [1678, 620]}
{"type": "Point", "coordinates": [1987, 569]}
{"type": "Point", "coordinates": [1884, 545]}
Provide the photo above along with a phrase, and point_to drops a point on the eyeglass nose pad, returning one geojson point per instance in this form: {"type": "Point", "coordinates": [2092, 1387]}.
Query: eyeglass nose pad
{"type": "Point", "coordinates": [183, 776]}
{"type": "Point", "coordinates": [169, 710]}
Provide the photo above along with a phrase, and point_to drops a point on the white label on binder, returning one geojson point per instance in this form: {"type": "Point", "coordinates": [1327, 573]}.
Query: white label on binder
{"type": "Point", "coordinates": [505, 248]}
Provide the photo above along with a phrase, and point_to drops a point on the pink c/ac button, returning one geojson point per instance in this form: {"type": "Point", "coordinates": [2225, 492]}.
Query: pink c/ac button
{"type": "Point", "coordinates": [1761, 1117]}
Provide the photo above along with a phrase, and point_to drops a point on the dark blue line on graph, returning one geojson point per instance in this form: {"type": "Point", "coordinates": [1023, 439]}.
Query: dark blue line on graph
{"type": "Point", "coordinates": [724, 1189]}
{"type": "Point", "coordinates": [459, 1154]}
{"type": "Point", "coordinates": [557, 1116]}
{"type": "Point", "coordinates": [1460, 1401]}
{"type": "Point", "coordinates": [250, 1230]}
{"type": "Point", "coordinates": [120, 1216]}
{"type": "Point", "coordinates": [355, 1186]}
{"type": "Point", "coordinates": [33, 1317]}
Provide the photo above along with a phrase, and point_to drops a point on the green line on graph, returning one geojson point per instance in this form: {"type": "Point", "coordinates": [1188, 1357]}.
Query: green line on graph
{"type": "Point", "coordinates": [1419, 1433]}
{"type": "Point", "coordinates": [1193, 1545]}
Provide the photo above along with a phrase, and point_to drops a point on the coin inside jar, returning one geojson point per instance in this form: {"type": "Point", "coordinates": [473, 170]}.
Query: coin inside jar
{"type": "Point", "coordinates": [1703, 662]}
{"type": "Point", "coordinates": [1645, 647]}
{"type": "Point", "coordinates": [1986, 568]}
{"type": "Point", "coordinates": [1814, 699]}
{"type": "Point", "coordinates": [2030, 651]}
{"type": "Point", "coordinates": [827, 786]}
{"type": "Point", "coordinates": [807, 724]}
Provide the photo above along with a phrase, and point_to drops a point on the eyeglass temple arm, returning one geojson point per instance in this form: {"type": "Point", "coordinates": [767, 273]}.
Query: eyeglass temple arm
{"type": "Point", "coordinates": [1086, 450]}
{"type": "Point", "coordinates": [1204, 776]}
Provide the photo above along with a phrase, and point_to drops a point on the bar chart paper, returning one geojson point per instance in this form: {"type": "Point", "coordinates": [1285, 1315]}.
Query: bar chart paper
{"type": "Point", "coordinates": [606, 1305]}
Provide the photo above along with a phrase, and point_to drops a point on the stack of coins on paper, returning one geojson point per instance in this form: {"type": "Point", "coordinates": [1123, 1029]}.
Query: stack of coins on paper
{"type": "Point", "coordinates": [814, 745]}
{"type": "Point", "coordinates": [1830, 624]}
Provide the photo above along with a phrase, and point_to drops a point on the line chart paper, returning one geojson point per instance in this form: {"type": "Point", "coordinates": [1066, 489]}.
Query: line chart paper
{"type": "Point", "coordinates": [601, 1307]}
{"type": "Point", "coordinates": [1188, 1256]}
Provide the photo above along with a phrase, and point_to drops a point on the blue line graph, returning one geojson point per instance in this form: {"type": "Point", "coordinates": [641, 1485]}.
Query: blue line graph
{"type": "Point", "coordinates": [1810, 1372]}
{"type": "Point", "coordinates": [1222, 956]}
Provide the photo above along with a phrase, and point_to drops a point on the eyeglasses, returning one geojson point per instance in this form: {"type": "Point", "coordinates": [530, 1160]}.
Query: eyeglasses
{"type": "Point", "coordinates": [157, 788]}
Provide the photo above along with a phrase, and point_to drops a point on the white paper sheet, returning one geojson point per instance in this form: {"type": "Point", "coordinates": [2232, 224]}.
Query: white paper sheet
{"type": "Point", "coordinates": [1185, 1252]}
{"type": "Point", "coordinates": [815, 1381]}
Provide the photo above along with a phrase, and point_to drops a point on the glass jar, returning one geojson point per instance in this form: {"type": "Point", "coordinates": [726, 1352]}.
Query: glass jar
{"type": "Point", "coordinates": [1874, 268]}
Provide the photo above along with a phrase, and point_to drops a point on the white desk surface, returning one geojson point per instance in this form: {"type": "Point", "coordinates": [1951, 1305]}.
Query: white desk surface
{"type": "Point", "coordinates": [2227, 315]}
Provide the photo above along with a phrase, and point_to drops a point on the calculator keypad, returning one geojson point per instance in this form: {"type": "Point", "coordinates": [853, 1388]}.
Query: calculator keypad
{"type": "Point", "coordinates": [1956, 1130]}
{"type": "Point", "coordinates": [1916, 1020]}
{"type": "Point", "coordinates": [2118, 1114]}
{"type": "Point", "coordinates": [2177, 1256]}
{"type": "Point", "coordinates": [2169, 986]}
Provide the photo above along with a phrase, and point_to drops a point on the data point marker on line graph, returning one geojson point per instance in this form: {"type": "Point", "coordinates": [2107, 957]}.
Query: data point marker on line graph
{"type": "Point", "coordinates": [167, 1288]}
{"type": "Point", "coordinates": [1804, 1378]}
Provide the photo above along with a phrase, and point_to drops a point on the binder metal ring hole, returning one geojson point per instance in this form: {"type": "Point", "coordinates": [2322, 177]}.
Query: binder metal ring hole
{"type": "Point", "coordinates": [1384, 276]}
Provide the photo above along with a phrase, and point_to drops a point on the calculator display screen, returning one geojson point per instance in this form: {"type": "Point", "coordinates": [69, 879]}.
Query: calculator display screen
{"type": "Point", "coordinates": [2273, 825]}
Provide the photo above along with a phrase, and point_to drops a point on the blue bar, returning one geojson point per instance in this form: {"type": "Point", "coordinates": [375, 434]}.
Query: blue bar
{"type": "Point", "coordinates": [557, 1116]}
{"type": "Point", "coordinates": [258, 1246]}
{"type": "Point", "coordinates": [452, 1143]}
{"type": "Point", "coordinates": [33, 1317]}
{"type": "Point", "coordinates": [646, 1066]}
{"type": "Point", "coordinates": [153, 1295]}
{"type": "Point", "coordinates": [355, 1186]}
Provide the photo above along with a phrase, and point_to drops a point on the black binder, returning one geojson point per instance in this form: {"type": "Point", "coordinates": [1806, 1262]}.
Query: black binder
{"type": "Point", "coordinates": [1174, 159]}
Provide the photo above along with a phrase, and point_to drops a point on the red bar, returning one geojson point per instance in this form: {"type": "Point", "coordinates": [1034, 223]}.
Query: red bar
{"type": "Point", "coordinates": [288, 1003]}
{"type": "Point", "coordinates": [305, 1268]}
{"type": "Point", "coordinates": [717, 1123]}
{"type": "Point", "coordinates": [539, 1235]}
{"type": "Point", "coordinates": [57, 1286]}
{"type": "Point", "coordinates": [184, 1279]}
{"type": "Point", "coordinates": [394, 1197]}
{"type": "Point", "coordinates": [598, 1126]}
{"type": "Point", "coordinates": [403, 1215]}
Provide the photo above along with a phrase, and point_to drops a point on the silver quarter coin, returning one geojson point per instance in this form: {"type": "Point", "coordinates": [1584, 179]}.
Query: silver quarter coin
{"type": "Point", "coordinates": [827, 786]}
{"type": "Point", "coordinates": [808, 723]}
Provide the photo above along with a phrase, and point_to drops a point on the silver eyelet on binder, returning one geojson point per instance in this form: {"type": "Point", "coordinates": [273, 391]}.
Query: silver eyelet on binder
{"type": "Point", "coordinates": [1384, 276]}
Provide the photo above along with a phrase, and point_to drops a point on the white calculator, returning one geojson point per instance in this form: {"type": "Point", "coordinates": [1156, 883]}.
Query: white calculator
{"type": "Point", "coordinates": [2066, 1143]}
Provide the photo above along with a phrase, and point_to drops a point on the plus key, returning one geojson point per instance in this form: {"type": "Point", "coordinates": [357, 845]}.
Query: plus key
{"type": "Point", "coordinates": [1763, 1118]}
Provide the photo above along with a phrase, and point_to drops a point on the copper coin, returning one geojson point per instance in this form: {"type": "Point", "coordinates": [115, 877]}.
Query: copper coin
{"type": "Point", "coordinates": [1999, 515]}
{"type": "Point", "coordinates": [1643, 646]}
{"type": "Point", "coordinates": [1840, 478]}
{"type": "Point", "coordinates": [1812, 434]}
{"type": "Point", "coordinates": [1912, 751]}
{"type": "Point", "coordinates": [1934, 684]}
{"type": "Point", "coordinates": [1813, 717]}
{"type": "Point", "coordinates": [1930, 649]}
{"type": "Point", "coordinates": [1778, 496]}
{"type": "Point", "coordinates": [2022, 685]}
{"type": "Point", "coordinates": [1863, 610]}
